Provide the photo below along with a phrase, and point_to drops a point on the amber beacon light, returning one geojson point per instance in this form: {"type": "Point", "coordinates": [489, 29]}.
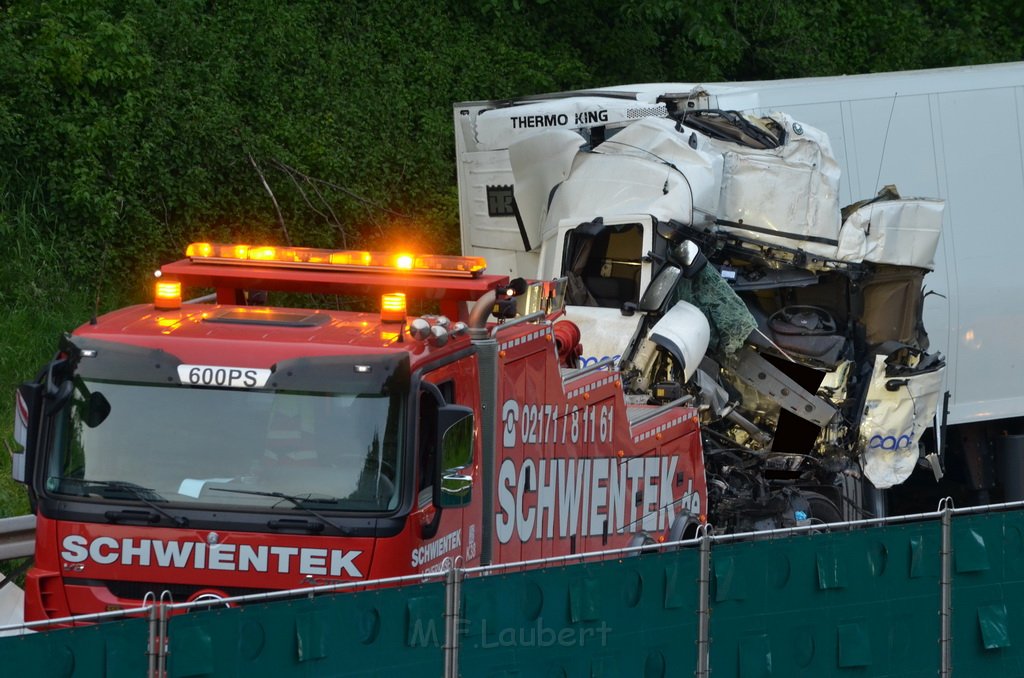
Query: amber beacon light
{"type": "Point", "coordinates": [167, 295]}
{"type": "Point", "coordinates": [392, 308]}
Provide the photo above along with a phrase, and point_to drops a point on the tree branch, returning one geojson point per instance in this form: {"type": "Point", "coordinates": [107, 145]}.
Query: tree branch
{"type": "Point", "coordinates": [277, 208]}
{"type": "Point", "coordinates": [333, 218]}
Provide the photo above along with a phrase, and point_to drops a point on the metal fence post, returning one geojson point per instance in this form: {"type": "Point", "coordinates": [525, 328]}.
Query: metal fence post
{"type": "Point", "coordinates": [704, 604]}
{"type": "Point", "coordinates": [453, 598]}
{"type": "Point", "coordinates": [946, 588]}
{"type": "Point", "coordinates": [151, 644]}
{"type": "Point", "coordinates": [163, 643]}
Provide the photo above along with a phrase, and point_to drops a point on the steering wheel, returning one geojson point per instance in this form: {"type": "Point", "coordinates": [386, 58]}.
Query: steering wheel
{"type": "Point", "coordinates": [804, 320]}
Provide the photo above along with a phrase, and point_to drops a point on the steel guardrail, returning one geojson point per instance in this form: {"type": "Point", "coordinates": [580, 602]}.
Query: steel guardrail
{"type": "Point", "coordinates": [17, 537]}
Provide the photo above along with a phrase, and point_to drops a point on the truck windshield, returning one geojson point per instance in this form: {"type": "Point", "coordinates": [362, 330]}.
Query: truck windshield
{"type": "Point", "coordinates": [182, 445]}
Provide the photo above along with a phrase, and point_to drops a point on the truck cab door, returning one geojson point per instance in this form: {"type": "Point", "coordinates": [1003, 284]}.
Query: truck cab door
{"type": "Point", "coordinates": [448, 458]}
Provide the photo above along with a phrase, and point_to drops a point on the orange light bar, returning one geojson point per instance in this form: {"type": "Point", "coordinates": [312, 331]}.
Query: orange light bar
{"type": "Point", "coordinates": [199, 249]}
{"type": "Point", "coordinates": [212, 251]}
{"type": "Point", "coordinates": [392, 308]}
{"type": "Point", "coordinates": [341, 260]}
{"type": "Point", "coordinates": [351, 258]}
{"type": "Point", "coordinates": [167, 295]}
{"type": "Point", "coordinates": [263, 253]}
{"type": "Point", "coordinates": [441, 262]}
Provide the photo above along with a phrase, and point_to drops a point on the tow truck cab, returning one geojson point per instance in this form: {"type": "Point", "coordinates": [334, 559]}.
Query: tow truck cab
{"type": "Point", "coordinates": [211, 450]}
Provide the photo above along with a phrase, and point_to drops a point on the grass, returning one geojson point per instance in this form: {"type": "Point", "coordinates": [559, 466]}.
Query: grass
{"type": "Point", "coordinates": [37, 304]}
{"type": "Point", "coordinates": [28, 339]}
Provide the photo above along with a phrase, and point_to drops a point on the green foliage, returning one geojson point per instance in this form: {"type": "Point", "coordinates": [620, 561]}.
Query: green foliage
{"type": "Point", "coordinates": [129, 128]}
{"type": "Point", "coordinates": [134, 127]}
{"type": "Point", "coordinates": [137, 127]}
{"type": "Point", "coordinates": [30, 339]}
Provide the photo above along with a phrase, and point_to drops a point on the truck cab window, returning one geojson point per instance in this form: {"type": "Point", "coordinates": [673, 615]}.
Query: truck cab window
{"type": "Point", "coordinates": [603, 264]}
{"type": "Point", "coordinates": [232, 448]}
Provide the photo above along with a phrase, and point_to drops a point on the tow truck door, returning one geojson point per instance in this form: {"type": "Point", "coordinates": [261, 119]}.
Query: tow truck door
{"type": "Point", "coordinates": [459, 529]}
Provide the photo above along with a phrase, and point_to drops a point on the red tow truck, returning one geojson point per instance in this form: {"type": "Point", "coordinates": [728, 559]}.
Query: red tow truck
{"type": "Point", "coordinates": [226, 447]}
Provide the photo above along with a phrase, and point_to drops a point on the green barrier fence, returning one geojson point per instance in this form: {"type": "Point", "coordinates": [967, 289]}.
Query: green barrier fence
{"type": "Point", "coordinates": [115, 649]}
{"type": "Point", "coordinates": [938, 595]}
{"type": "Point", "coordinates": [988, 594]}
{"type": "Point", "coordinates": [859, 603]}
{"type": "Point", "coordinates": [383, 632]}
{"type": "Point", "coordinates": [634, 616]}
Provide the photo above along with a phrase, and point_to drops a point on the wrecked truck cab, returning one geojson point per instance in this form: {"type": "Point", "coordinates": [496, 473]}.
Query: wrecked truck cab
{"type": "Point", "coordinates": [813, 374]}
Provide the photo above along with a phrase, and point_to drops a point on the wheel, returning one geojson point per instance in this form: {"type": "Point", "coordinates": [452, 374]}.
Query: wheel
{"type": "Point", "coordinates": [821, 508]}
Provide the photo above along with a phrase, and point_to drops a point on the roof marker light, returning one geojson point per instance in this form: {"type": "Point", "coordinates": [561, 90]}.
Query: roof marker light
{"type": "Point", "coordinates": [419, 329]}
{"type": "Point", "coordinates": [438, 336]}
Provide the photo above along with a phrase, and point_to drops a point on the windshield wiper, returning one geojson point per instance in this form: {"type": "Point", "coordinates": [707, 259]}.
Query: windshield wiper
{"type": "Point", "coordinates": [144, 494]}
{"type": "Point", "coordinates": [297, 502]}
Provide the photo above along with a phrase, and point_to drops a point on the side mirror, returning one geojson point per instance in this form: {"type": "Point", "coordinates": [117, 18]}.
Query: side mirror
{"type": "Point", "coordinates": [97, 409]}
{"type": "Point", "coordinates": [59, 385]}
{"type": "Point", "coordinates": [689, 256]}
{"type": "Point", "coordinates": [455, 453]}
{"type": "Point", "coordinates": [661, 287]}
{"type": "Point", "coordinates": [27, 408]}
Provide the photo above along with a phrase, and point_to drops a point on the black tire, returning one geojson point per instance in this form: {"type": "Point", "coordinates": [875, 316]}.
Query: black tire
{"type": "Point", "coordinates": [822, 508]}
